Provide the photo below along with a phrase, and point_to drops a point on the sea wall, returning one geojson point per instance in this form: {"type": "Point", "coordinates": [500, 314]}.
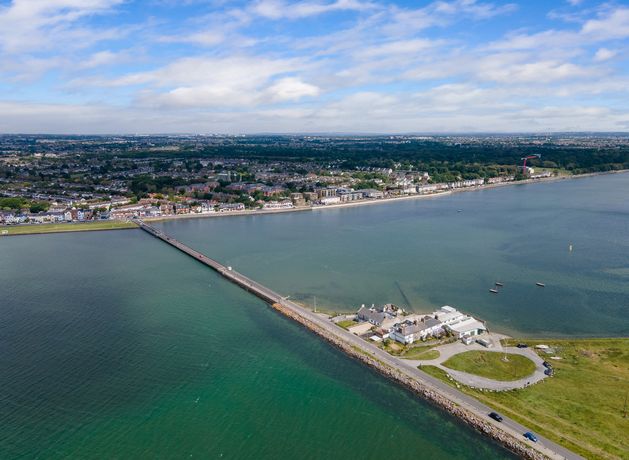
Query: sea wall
{"type": "Point", "coordinates": [510, 442]}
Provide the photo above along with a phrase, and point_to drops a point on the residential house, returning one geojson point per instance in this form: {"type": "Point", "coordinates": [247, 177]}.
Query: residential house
{"type": "Point", "coordinates": [410, 331]}
{"type": "Point", "coordinates": [326, 192]}
{"type": "Point", "coordinates": [181, 208]}
{"type": "Point", "coordinates": [273, 190]}
{"type": "Point", "coordinates": [383, 316]}
{"type": "Point", "coordinates": [429, 188]}
{"type": "Point", "coordinates": [350, 196]}
{"type": "Point", "coordinates": [230, 207]}
{"type": "Point", "coordinates": [371, 193]}
{"type": "Point", "coordinates": [284, 204]}
{"type": "Point", "coordinates": [330, 200]}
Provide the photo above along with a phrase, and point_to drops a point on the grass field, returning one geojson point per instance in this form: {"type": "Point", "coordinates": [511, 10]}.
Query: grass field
{"type": "Point", "coordinates": [413, 351]}
{"type": "Point", "coordinates": [65, 227]}
{"type": "Point", "coordinates": [582, 407]}
{"type": "Point", "coordinates": [420, 352]}
{"type": "Point", "coordinates": [491, 364]}
{"type": "Point", "coordinates": [346, 324]}
{"type": "Point", "coordinates": [430, 354]}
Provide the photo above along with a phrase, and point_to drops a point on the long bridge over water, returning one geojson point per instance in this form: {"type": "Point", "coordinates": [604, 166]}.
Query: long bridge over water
{"type": "Point", "coordinates": [515, 430]}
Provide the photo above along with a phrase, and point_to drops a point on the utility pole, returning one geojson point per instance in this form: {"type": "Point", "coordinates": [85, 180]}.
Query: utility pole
{"type": "Point", "coordinates": [315, 306]}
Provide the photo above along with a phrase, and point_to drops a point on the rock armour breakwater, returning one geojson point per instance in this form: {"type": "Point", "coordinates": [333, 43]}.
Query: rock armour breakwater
{"type": "Point", "coordinates": [511, 443]}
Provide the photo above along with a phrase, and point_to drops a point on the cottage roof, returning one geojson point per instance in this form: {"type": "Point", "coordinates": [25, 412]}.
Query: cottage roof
{"type": "Point", "coordinates": [466, 325]}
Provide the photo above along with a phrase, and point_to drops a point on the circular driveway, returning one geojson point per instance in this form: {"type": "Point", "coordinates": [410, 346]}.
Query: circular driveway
{"type": "Point", "coordinates": [451, 349]}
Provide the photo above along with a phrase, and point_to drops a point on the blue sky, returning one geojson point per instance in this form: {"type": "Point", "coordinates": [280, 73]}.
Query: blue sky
{"type": "Point", "coordinates": [221, 66]}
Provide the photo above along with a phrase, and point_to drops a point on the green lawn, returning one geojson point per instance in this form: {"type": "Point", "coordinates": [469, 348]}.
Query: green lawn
{"type": "Point", "coordinates": [346, 324]}
{"type": "Point", "coordinates": [65, 227]}
{"type": "Point", "coordinates": [420, 352]}
{"type": "Point", "coordinates": [582, 406]}
{"type": "Point", "coordinates": [491, 364]}
{"type": "Point", "coordinates": [430, 354]}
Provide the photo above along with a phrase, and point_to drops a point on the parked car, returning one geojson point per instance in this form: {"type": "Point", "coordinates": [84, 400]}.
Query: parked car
{"type": "Point", "coordinates": [496, 416]}
{"type": "Point", "coordinates": [530, 436]}
{"type": "Point", "coordinates": [548, 372]}
{"type": "Point", "coordinates": [547, 365]}
{"type": "Point", "coordinates": [522, 345]}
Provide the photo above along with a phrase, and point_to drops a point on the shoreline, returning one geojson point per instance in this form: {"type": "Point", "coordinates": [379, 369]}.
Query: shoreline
{"type": "Point", "coordinates": [350, 204]}
{"type": "Point", "coordinates": [374, 201]}
{"type": "Point", "coordinates": [467, 409]}
{"type": "Point", "coordinates": [74, 227]}
{"type": "Point", "coordinates": [503, 436]}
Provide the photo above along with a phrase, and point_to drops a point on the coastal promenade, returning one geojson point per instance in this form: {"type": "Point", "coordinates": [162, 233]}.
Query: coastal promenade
{"type": "Point", "coordinates": [508, 432]}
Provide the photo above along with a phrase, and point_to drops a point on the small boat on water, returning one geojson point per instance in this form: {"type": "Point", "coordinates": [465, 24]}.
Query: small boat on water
{"type": "Point", "coordinates": [494, 291]}
{"type": "Point", "coordinates": [540, 284]}
{"type": "Point", "coordinates": [499, 284]}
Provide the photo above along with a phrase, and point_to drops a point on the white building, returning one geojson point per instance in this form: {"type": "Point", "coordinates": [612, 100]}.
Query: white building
{"type": "Point", "coordinates": [285, 204]}
{"type": "Point", "coordinates": [410, 331]}
{"type": "Point", "coordinates": [467, 327]}
{"type": "Point", "coordinates": [229, 207]}
{"type": "Point", "coordinates": [459, 324]}
{"type": "Point", "coordinates": [427, 189]}
{"type": "Point", "coordinates": [448, 315]}
{"type": "Point", "coordinates": [330, 200]}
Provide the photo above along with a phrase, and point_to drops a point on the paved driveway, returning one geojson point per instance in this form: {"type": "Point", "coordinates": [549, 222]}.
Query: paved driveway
{"type": "Point", "coordinates": [451, 349]}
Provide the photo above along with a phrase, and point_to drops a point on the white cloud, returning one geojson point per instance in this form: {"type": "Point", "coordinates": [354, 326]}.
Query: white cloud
{"type": "Point", "coordinates": [205, 38]}
{"type": "Point", "coordinates": [604, 54]}
{"type": "Point", "coordinates": [441, 13]}
{"type": "Point", "coordinates": [27, 25]}
{"type": "Point", "coordinates": [225, 82]}
{"type": "Point", "coordinates": [530, 72]}
{"type": "Point", "coordinates": [612, 25]}
{"type": "Point", "coordinates": [546, 39]}
{"type": "Point", "coordinates": [253, 68]}
{"type": "Point", "coordinates": [104, 58]}
{"type": "Point", "coordinates": [397, 48]}
{"type": "Point", "coordinates": [366, 112]}
{"type": "Point", "coordinates": [279, 9]}
{"type": "Point", "coordinates": [291, 89]}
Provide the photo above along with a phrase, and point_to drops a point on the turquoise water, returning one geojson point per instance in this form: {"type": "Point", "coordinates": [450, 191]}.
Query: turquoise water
{"type": "Point", "coordinates": [435, 255]}
{"type": "Point", "coordinates": [114, 345]}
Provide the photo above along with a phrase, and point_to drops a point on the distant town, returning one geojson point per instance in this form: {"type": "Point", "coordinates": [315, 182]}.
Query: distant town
{"type": "Point", "coordinates": [55, 179]}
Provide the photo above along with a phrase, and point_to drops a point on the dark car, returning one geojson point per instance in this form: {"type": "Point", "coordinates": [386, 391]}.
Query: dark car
{"type": "Point", "coordinates": [530, 436]}
{"type": "Point", "coordinates": [522, 345]}
{"type": "Point", "coordinates": [496, 416]}
{"type": "Point", "coordinates": [548, 372]}
{"type": "Point", "coordinates": [547, 365]}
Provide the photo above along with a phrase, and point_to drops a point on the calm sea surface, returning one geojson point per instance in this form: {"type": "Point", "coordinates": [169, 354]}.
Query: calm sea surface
{"type": "Point", "coordinates": [113, 345]}
{"type": "Point", "coordinates": [427, 254]}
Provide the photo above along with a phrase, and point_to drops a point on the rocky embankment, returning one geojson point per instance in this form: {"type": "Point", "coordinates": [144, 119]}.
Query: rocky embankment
{"type": "Point", "coordinates": [507, 440]}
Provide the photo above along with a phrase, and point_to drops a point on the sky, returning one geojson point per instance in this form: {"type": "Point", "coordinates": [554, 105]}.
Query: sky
{"type": "Point", "coordinates": [313, 66]}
